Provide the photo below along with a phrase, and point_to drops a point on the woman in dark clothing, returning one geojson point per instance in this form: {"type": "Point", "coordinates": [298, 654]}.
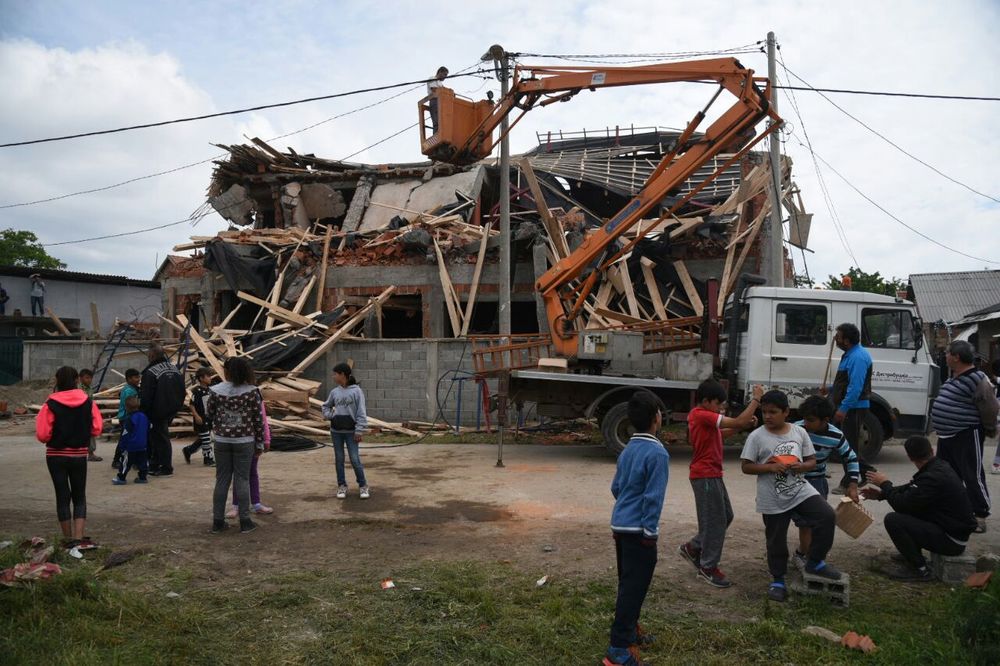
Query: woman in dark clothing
{"type": "Point", "coordinates": [65, 424]}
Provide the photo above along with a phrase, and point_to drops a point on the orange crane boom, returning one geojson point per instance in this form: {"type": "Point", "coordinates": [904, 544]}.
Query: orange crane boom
{"type": "Point", "coordinates": [464, 135]}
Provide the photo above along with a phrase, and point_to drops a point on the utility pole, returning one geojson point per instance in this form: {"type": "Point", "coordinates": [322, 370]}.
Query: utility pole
{"type": "Point", "coordinates": [774, 249]}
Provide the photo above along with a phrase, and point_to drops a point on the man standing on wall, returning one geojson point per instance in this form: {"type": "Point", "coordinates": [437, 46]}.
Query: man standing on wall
{"type": "Point", "coordinates": [851, 389]}
{"type": "Point", "coordinates": [37, 295]}
{"type": "Point", "coordinates": [161, 396]}
{"type": "Point", "coordinates": [963, 414]}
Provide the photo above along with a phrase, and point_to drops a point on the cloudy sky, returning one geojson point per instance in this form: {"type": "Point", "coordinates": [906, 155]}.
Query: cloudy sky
{"type": "Point", "coordinates": [68, 67]}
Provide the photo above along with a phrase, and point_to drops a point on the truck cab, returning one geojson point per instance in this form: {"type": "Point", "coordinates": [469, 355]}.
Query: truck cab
{"type": "Point", "coordinates": [786, 342]}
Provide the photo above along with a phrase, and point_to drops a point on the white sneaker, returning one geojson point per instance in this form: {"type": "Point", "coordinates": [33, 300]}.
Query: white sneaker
{"type": "Point", "coordinates": [342, 492]}
{"type": "Point", "coordinates": [365, 493]}
{"type": "Point", "coordinates": [996, 469]}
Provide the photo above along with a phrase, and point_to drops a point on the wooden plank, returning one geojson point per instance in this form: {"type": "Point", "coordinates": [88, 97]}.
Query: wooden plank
{"type": "Point", "coordinates": [95, 320]}
{"type": "Point", "coordinates": [227, 339]}
{"type": "Point", "coordinates": [203, 347]}
{"type": "Point", "coordinates": [177, 327]}
{"type": "Point", "coordinates": [633, 304]}
{"type": "Point", "coordinates": [225, 322]}
{"type": "Point", "coordinates": [279, 424]}
{"type": "Point", "coordinates": [474, 285]}
{"type": "Point", "coordinates": [552, 226]}
{"type": "Point", "coordinates": [273, 299]}
{"type": "Point", "coordinates": [320, 292]}
{"type": "Point", "coordinates": [345, 329]}
{"type": "Point", "coordinates": [654, 289]}
{"type": "Point", "coordinates": [299, 383]}
{"type": "Point", "coordinates": [394, 427]}
{"type": "Point", "coordinates": [450, 297]}
{"type": "Point", "coordinates": [619, 317]}
{"type": "Point", "coordinates": [693, 297]}
{"type": "Point", "coordinates": [61, 326]}
{"type": "Point", "coordinates": [276, 311]}
{"type": "Point", "coordinates": [284, 395]}
{"type": "Point", "coordinates": [686, 226]}
{"type": "Point", "coordinates": [301, 302]}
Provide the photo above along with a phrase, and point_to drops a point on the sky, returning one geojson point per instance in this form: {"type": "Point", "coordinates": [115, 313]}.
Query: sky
{"type": "Point", "coordinates": [69, 67]}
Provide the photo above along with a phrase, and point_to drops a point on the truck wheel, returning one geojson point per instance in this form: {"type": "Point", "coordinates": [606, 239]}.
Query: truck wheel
{"type": "Point", "coordinates": [616, 429]}
{"type": "Point", "coordinates": [872, 436]}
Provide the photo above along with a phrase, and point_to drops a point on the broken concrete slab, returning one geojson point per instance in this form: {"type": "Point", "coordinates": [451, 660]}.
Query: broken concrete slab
{"type": "Point", "coordinates": [235, 205]}
{"type": "Point", "coordinates": [321, 201]}
{"type": "Point", "coordinates": [395, 194]}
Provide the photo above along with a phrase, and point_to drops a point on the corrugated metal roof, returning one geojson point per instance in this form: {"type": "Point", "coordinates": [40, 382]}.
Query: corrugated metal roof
{"type": "Point", "coordinates": [950, 297]}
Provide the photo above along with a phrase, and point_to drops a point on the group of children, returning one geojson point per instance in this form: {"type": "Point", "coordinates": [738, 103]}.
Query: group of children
{"type": "Point", "coordinates": [789, 461]}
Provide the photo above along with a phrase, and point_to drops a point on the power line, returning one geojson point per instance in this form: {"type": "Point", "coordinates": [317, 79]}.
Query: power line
{"type": "Point", "coordinates": [914, 230]}
{"type": "Point", "coordinates": [227, 113]}
{"type": "Point", "coordinates": [884, 93]}
{"type": "Point", "coordinates": [888, 140]}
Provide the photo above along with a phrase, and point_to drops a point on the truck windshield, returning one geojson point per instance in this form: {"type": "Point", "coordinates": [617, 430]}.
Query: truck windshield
{"type": "Point", "coordinates": [888, 329]}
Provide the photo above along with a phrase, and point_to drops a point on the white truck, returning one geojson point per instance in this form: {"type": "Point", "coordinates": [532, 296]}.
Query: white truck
{"type": "Point", "coordinates": [779, 337]}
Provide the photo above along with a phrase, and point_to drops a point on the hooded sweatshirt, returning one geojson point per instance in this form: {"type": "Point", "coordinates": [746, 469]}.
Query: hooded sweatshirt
{"type": "Point", "coordinates": [347, 401]}
{"type": "Point", "coordinates": [235, 414]}
{"type": "Point", "coordinates": [66, 422]}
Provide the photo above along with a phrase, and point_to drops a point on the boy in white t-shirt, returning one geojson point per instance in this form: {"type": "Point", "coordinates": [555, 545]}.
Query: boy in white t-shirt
{"type": "Point", "coordinates": [780, 454]}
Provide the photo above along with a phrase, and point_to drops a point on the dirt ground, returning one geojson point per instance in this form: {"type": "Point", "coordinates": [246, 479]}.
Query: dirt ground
{"type": "Point", "coordinates": [545, 511]}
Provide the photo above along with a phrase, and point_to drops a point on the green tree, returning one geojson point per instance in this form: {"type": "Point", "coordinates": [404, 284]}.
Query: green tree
{"type": "Point", "coordinates": [21, 248]}
{"type": "Point", "coordinates": [871, 282]}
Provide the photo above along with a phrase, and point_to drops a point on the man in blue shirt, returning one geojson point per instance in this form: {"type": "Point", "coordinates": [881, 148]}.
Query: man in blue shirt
{"type": "Point", "coordinates": [851, 389]}
{"type": "Point", "coordinates": [639, 487]}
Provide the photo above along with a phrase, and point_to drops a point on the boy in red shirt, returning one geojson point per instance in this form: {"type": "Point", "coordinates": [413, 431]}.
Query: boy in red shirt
{"type": "Point", "coordinates": [706, 427]}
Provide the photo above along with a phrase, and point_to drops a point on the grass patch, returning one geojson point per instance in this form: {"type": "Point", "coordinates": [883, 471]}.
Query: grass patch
{"type": "Point", "coordinates": [462, 613]}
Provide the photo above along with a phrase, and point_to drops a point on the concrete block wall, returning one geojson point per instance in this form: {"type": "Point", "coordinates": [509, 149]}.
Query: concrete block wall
{"type": "Point", "coordinates": [43, 358]}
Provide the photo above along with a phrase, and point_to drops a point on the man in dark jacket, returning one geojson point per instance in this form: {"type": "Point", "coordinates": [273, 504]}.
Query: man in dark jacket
{"type": "Point", "coordinates": [931, 512]}
{"type": "Point", "coordinates": [161, 396]}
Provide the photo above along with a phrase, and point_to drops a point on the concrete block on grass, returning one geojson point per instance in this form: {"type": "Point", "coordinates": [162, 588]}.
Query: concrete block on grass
{"type": "Point", "coordinates": [837, 591]}
{"type": "Point", "coordinates": [953, 570]}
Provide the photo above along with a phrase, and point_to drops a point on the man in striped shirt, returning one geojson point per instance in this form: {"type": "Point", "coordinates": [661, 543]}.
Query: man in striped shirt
{"type": "Point", "coordinates": [816, 412]}
{"type": "Point", "coordinates": [965, 407]}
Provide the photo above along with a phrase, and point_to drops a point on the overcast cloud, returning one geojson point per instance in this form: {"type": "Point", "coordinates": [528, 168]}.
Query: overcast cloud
{"type": "Point", "coordinates": [69, 67]}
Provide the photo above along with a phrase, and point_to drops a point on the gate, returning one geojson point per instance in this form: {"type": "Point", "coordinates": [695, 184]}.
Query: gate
{"type": "Point", "coordinates": [11, 360]}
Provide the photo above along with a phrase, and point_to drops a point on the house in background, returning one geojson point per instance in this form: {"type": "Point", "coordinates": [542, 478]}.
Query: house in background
{"type": "Point", "coordinates": [947, 301]}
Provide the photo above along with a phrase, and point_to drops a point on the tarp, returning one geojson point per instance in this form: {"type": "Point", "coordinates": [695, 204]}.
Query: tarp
{"type": "Point", "coordinates": [292, 348]}
{"type": "Point", "coordinates": [239, 270]}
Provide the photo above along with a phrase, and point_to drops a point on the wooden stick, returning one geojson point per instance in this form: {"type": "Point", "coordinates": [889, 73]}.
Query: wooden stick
{"type": "Point", "coordinates": [345, 329]}
{"type": "Point", "coordinates": [273, 299]}
{"type": "Point", "coordinates": [61, 326]}
{"type": "Point", "coordinates": [300, 303]}
{"type": "Point", "coordinates": [95, 321]}
{"type": "Point", "coordinates": [654, 289]}
{"type": "Point", "coordinates": [203, 347]}
{"type": "Point", "coordinates": [276, 311]}
{"type": "Point", "coordinates": [552, 226]}
{"type": "Point", "coordinates": [633, 304]}
{"type": "Point", "coordinates": [450, 297]}
{"type": "Point", "coordinates": [322, 269]}
{"type": "Point", "coordinates": [474, 286]}
{"type": "Point", "coordinates": [225, 322]}
{"type": "Point", "coordinates": [693, 297]}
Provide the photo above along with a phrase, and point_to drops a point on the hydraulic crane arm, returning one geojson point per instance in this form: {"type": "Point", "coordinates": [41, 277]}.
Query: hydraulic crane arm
{"type": "Point", "coordinates": [730, 131]}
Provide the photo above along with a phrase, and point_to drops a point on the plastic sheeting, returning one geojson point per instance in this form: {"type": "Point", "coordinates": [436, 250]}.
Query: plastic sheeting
{"type": "Point", "coordinates": [241, 271]}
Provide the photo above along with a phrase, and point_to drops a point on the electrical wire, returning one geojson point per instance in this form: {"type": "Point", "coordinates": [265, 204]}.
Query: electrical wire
{"type": "Point", "coordinates": [221, 155]}
{"type": "Point", "coordinates": [233, 112]}
{"type": "Point", "coordinates": [885, 138]}
{"type": "Point", "coordinates": [884, 93]}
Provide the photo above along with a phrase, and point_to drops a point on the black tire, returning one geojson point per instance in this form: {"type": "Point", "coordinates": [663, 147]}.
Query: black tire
{"type": "Point", "coordinates": [872, 437]}
{"type": "Point", "coordinates": [616, 429]}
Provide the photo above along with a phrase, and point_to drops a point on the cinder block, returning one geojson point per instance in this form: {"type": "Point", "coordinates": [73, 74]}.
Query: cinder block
{"type": "Point", "coordinates": [953, 570]}
{"type": "Point", "coordinates": [837, 591]}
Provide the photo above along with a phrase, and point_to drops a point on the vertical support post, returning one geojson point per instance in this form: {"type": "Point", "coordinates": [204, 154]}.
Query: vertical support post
{"type": "Point", "coordinates": [774, 248]}
{"type": "Point", "coordinates": [500, 55]}
{"type": "Point", "coordinates": [710, 338]}
{"type": "Point", "coordinates": [503, 384]}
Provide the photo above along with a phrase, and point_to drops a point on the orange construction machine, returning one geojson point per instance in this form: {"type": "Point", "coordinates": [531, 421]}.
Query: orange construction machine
{"type": "Point", "coordinates": [464, 135]}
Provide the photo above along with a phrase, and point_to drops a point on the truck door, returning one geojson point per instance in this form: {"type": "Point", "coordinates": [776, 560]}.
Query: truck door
{"type": "Point", "coordinates": [890, 335]}
{"type": "Point", "coordinates": [800, 346]}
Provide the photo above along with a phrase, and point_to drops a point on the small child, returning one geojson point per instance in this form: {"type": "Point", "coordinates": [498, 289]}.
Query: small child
{"type": "Point", "coordinates": [639, 487]}
{"type": "Point", "coordinates": [778, 453]}
{"type": "Point", "coordinates": [86, 385]}
{"type": "Point", "coordinates": [132, 377]}
{"type": "Point", "coordinates": [816, 412]}
{"type": "Point", "coordinates": [202, 428]}
{"type": "Point", "coordinates": [345, 410]}
{"type": "Point", "coordinates": [706, 424]}
{"type": "Point", "coordinates": [135, 432]}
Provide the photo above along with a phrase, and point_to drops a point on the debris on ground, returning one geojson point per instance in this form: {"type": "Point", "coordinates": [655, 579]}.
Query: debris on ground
{"type": "Point", "coordinates": [979, 580]}
{"type": "Point", "coordinates": [855, 641]}
{"type": "Point", "coordinates": [119, 558]}
{"type": "Point", "coordinates": [26, 572]}
{"type": "Point", "coordinates": [541, 581]}
{"type": "Point", "coordinates": [387, 584]}
{"type": "Point", "coordinates": [821, 632]}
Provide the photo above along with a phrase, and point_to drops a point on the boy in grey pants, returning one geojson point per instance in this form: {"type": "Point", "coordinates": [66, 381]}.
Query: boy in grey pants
{"type": "Point", "coordinates": [706, 427]}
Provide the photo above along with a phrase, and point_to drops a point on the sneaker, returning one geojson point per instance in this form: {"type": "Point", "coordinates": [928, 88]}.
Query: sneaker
{"type": "Point", "coordinates": [209, 462]}
{"type": "Point", "coordinates": [93, 457]}
{"type": "Point", "coordinates": [233, 512]}
{"type": "Point", "coordinates": [799, 560]}
{"type": "Point", "coordinates": [161, 472]}
{"type": "Point", "coordinates": [980, 525]}
{"type": "Point", "coordinates": [622, 657]}
{"type": "Point", "coordinates": [86, 543]}
{"type": "Point", "coordinates": [70, 544]}
{"type": "Point", "coordinates": [995, 469]}
{"type": "Point", "coordinates": [247, 526]}
{"type": "Point", "coordinates": [187, 455]}
{"type": "Point", "coordinates": [691, 554]}
{"type": "Point", "coordinates": [118, 481]}
{"type": "Point", "coordinates": [219, 526]}
{"type": "Point", "coordinates": [261, 509]}
{"type": "Point", "coordinates": [898, 558]}
{"type": "Point", "coordinates": [714, 577]}
{"type": "Point", "coordinates": [141, 480]}
{"type": "Point", "coordinates": [822, 570]}
{"type": "Point", "coordinates": [342, 492]}
{"type": "Point", "coordinates": [366, 493]}
{"type": "Point", "coordinates": [909, 574]}
{"type": "Point", "coordinates": [777, 591]}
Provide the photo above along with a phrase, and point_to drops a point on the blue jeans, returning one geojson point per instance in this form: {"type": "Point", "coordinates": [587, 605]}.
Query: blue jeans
{"type": "Point", "coordinates": [39, 303]}
{"type": "Point", "coordinates": [339, 440]}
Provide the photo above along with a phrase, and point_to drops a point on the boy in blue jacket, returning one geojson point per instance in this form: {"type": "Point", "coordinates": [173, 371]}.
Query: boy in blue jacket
{"type": "Point", "coordinates": [639, 487]}
{"type": "Point", "coordinates": [135, 433]}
